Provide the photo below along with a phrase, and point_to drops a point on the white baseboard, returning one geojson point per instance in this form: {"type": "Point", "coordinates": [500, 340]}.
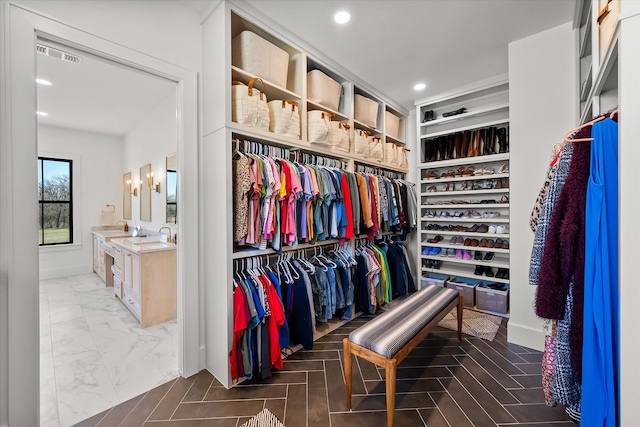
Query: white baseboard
{"type": "Point", "coordinates": [525, 336]}
{"type": "Point", "coordinates": [54, 273]}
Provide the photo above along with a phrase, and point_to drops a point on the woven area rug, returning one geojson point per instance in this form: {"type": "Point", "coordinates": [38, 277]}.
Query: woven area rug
{"type": "Point", "coordinates": [263, 419]}
{"type": "Point", "coordinates": [474, 323]}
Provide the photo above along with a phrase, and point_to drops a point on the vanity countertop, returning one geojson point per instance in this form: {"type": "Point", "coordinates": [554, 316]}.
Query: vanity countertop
{"type": "Point", "coordinates": [144, 244]}
{"type": "Point", "coordinates": [110, 231]}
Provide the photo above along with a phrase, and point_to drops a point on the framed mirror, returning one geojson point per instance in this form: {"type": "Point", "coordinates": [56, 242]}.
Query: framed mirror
{"type": "Point", "coordinates": [172, 189]}
{"type": "Point", "coordinates": [127, 183]}
{"type": "Point", "coordinates": [146, 183]}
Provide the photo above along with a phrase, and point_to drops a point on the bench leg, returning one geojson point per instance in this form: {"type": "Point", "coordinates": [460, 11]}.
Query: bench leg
{"type": "Point", "coordinates": [460, 310]}
{"type": "Point", "coordinates": [390, 375]}
{"type": "Point", "coordinates": [347, 370]}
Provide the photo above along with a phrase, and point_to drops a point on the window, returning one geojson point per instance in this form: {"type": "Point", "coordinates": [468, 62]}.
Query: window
{"type": "Point", "coordinates": [172, 187]}
{"type": "Point", "coordinates": [55, 201]}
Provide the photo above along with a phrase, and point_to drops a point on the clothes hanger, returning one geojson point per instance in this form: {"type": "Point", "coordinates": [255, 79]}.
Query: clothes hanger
{"type": "Point", "coordinates": [567, 136]}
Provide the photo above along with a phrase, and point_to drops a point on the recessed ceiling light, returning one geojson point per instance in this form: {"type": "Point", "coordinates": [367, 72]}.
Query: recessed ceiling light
{"type": "Point", "coordinates": [419, 86]}
{"type": "Point", "coordinates": [43, 82]}
{"type": "Point", "coordinates": [42, 113]}
{"type": "Point", "coordinates": [342, 17]}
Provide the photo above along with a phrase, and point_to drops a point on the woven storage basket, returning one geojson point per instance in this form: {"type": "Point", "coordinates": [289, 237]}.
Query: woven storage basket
{"type": "Point", "coordinates": [323, 89]}
{"type": "Point", "coordinates": [259, 57]}
{"type": "Point", "coordinates": [366, 110]}
{"type": "Point", "coordinates": [391, 125]}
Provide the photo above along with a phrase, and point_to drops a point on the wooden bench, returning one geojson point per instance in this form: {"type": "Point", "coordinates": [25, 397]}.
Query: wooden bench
{"type": "Point", "coordinates": [387, 339]}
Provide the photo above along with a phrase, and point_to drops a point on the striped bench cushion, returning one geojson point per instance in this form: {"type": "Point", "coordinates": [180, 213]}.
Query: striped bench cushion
{"type": "Point", "coordinates": [389, 332]}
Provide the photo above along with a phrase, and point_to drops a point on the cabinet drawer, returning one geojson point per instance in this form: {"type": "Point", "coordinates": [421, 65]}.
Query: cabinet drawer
{"type": "Point", "coordinates": [132, 304]}
{"type": "Point", "coordinates": [117, 286]}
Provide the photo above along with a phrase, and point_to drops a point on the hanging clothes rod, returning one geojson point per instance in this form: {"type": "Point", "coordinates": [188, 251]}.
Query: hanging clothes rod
{"type": "Point", "coordinates": [297, 155]}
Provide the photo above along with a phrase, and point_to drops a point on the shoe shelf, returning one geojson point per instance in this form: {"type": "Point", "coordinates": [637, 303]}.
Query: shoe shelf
{"type": "Point", "coordinates": [474, 220]}
{"type": "Point", "coordinates": [395, 140]}
{"type": "Point", "coordinates": [496, 264]}
{"type": "Point", "coordinates": [467, 233]}
{"type": "Point", "coordinates": [465, 178]}
{"type": "Point", "coordinates": [498, 122]}
{"type": "Point", "coordinates": [464, 160]}
{"type": "Point", "coordinates": [458, 192]}
{"type": "Point", "coordinates": [462, 247]}
{"type": "Point", "coordinates": [466, 115]}
{"type": "Point", "coordinates": [461, 206]}
{"type": "Point", "coordinates": [459, 273]}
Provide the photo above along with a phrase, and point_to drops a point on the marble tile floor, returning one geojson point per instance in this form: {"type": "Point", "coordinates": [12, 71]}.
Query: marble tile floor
{"type": "Point", "coordinates": [93, 353]}
{"type": "Point", "coordinates": [443, 383]}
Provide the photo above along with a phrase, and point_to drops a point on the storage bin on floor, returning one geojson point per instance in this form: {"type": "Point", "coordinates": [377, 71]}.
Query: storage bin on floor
{"type": "Point", "coordinates": [466, 287]}
{"type": "Point", "coordinates": [433, 279]}
{"type": "Point", "coordinates": [492, 296]}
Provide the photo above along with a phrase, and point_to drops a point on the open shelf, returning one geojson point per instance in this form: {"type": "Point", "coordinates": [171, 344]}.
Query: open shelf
{"type": "Point", "coordinates": [465, 178]}
{"type": "Point", "coordinates": [464, 161]}
{"type": "Point", "coordinates": [466, 206]}
{"type": "Point", "coordinates": [395, 140]}
{"type": "Point", "coordinates": [466, 233]}
{"type": "Point", "coordinates": [495, 264]}
{"type": "Point", "coordinates": [337, 116]}
{"type": "Point", "coordinates": [449, 272]}
{"type": "Point", "coordinates": [469, 127]}
{"type": "Point", "coordinates": [360, 125]}
{"type": "Point", "coordinates": [462, 247]}
{"type": "Point", "coordinates": [472, 113]}
{"type": "Point", "coordinates": [444, 193]}
{"type": "Point", "coordinates": [272, 90]}
{"type": "Point", "coordinates": [496, 220]}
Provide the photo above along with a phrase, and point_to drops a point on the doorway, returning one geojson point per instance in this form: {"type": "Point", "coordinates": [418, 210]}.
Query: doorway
{"type": "Point", "coordinates": [99, 121]}
{"type": "Point", "coordinates": [20, 254]}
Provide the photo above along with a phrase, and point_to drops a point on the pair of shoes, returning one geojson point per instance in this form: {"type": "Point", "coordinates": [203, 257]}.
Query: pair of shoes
{"type": "Point", "coordinates": [503, 273]}
{"type": "Point", "coordinates": [483, 269]}
{"type": "Point", "coordinates": [483, 171]}
{"type": "Point", "coordinates": [495, 229]}
{"type": "Point", "coordinates": [431, 251]}
{"type": "Point", "coordinates": [463, 254]}
{"type": "Point", "coordinates": [483, 228]}
{"type": "Point", "coordinates": [436, 239]}
{"type": "Point", "coordinates": [432, 263]}
{"type": "Point", "coordinates": [477, 256]}
{"type": "Point", "coordinates": [475, 214]}
{"type": "Point", "coordinates": [490, 214]}
{"type": "Point", "coordinates": [504, 168]}
{"type": "Point", "coordinates": [432, 175]}
{"type": "Point", "coordinates": [449, 174]}
{"type": "Point", "coordinates": [455, 240]}
{"type": "Point", "coordinates": [432, 189]}
{"type": "Point", "coordinates": [454, 113]}
{"type": "Point", "coordinates": [487, 202]}
{"type": "Point", "coordinates": [486, 243]}
{"type": "Point", "coordinates": [502, 244]}
{"type": "Point", "coordinates": [449, 252]}
{"type": "Point", "coordinates": [504, 199]}
{"type": "Point", "coordinates": [428, 116]}
{"type": "Point", "coordinates": [448, 186]}
{"type": "Point", "coordinates": [489, 256]}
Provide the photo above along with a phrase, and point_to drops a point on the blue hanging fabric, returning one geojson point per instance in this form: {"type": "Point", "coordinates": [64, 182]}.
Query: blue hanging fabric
{"type": "Point", "coordinates": [601, 346]}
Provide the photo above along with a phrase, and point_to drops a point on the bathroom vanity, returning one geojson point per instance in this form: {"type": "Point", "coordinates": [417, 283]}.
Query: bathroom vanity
{"type": "Point", "coordinates": [144, 276]}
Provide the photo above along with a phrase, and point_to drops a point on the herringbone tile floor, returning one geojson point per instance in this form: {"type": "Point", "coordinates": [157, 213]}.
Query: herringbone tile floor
{"type": "Point", "coordinates": [444, 382]}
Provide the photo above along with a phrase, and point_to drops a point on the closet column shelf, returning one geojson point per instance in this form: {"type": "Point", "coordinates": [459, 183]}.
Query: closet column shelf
{"type": "Point", "coordinates": [465, 178]}
{"type": "Point", "coordinates": [495, 264]}
{"type": "Point", "coordinates": [470, 275]}
{"type": "Point", "coordinates": [446, 193]}
{"type": "Point", "coordinates": [273, 90]}
{"type": "Point", "coordinates": [497, 220]}
{"type": "Point", "coordinates": [466, 206]}
{"type": "Point", "coordinates": [478, 112]}
{"type": "Point", "coordinates": [464, 160]}
{"type": "Point", "coordinates": [470, 127]}
{"type": "Point", "coordinates": [462, 247]}
{"type": "Point", "coordinates": [337, 116]}
{"type": "Point", "coordinates": [465, 233]}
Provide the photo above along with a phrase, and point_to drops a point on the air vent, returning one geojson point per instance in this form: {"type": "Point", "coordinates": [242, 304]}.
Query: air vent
{"type": "Point", "coordinates": [55, 53]}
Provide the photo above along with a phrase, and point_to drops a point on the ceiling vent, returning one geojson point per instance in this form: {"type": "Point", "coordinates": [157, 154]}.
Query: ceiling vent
{"type": "Point", "coordinates": [55, 53]}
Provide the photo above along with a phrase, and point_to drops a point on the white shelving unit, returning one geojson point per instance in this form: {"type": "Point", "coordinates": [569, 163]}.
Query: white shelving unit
{"type": "Point", "coordinates": [596, 22]}
{"type": "Point", "coordinates": [223, 24]}
{"type": "Point", "coordinates": [486, 107]}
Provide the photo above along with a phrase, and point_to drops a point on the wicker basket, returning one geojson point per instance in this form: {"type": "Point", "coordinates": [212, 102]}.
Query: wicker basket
{"type": "Point", "coordinates": [366, 110]}
{"type": "Point", "coordinates": [323, 89]}
{"type": "Point", "coordinates": [259, 57]}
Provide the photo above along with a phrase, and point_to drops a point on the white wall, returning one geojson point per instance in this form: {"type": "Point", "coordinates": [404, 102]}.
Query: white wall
{"type": "Point", "coordinates": [629, 96]}
{"type": "Point", "coordinates": [96, 182]}
{"type": "Point", "coordinates": [542, 107]}
{"type": "Point", "coordinates": [150, 142]}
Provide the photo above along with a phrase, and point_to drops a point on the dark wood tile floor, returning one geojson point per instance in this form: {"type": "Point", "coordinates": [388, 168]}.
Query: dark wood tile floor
{"type": "Point", "coordinates": [443, 383]}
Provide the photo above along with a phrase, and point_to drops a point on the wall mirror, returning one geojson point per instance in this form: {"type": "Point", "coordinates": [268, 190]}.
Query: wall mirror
{"type": "Point", "coordinates": [172, 189]}
{"type": "Point", "coordinates": [127, 184]}
{"type": "Point", "coordinates": [146, 183]}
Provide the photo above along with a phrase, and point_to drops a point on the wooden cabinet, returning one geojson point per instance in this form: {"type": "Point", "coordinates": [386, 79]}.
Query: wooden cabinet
{"type": "Point", "coordinates": [147, 286]}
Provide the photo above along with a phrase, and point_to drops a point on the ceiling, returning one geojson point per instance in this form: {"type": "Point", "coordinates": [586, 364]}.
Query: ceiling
{"type": "Point", "coordinates": [96, 95]}
{"type": "Point", "coordinates": [394, 44]}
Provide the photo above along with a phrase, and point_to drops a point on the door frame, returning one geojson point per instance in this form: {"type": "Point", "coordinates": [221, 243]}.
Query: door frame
{"type": "Point", "coordinates": [19, 272]}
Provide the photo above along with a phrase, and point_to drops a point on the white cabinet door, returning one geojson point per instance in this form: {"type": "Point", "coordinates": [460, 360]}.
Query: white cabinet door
{"type": "Point", "coordinates": [96, 265]}
{"type": "Point", "coordinates": [132, 274]}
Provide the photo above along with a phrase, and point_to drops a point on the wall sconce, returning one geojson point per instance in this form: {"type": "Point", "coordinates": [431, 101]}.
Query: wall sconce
{"type": "Point", "coordinates": [155, 187]}
{"type": "Point", "coordinates": [134, 191]}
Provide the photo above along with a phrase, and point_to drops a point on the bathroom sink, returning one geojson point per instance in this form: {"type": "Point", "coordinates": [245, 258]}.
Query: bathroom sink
{"type": "Point", "coordinates": [143, 240]}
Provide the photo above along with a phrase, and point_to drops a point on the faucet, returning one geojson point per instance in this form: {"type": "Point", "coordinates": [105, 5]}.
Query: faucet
{"type": "Point", "coordinates": [168, 228]}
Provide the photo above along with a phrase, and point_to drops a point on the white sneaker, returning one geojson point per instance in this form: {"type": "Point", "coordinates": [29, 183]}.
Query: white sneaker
{"type": "Point", "coordinates": [492, 229]}
{"type": "Point", "coordinates": [500, 229]}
